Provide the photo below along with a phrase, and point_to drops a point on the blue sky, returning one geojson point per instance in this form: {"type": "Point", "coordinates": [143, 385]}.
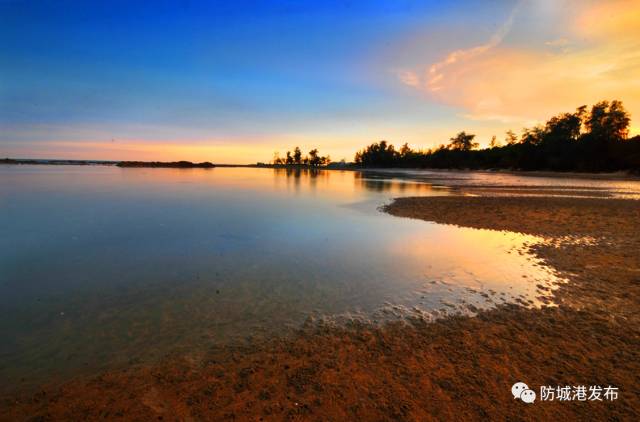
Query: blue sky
{"type": "Point", "coordinates": [235, 81]}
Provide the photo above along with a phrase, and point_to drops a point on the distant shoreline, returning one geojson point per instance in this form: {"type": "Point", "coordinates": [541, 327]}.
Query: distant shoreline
{"type": "Point", "coordinates": [619, 175]}
{"type": "Point", "coordinates": [57, 162]}
{"type": "Point", "coordinates": [160, 164]}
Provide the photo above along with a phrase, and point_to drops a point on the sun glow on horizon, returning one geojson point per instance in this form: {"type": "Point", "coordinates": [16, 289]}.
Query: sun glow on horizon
{"type": "Point", "coordinates": [239, 92]}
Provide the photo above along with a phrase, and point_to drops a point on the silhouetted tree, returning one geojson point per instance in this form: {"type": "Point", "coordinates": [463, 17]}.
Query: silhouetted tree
{"type": "Point", "coordinates": [594, 140]}
{"type": "Point", "coordinates": [404, 150]}
{"type": "Point", "coordinates": [377, 154]}
{"type": "Point", "coordinates": [564, 127]}
{"type": "Point", "coordinates": [463, 142]}
{"type": "Point", "coordinates": [609, 122]}
{"type": "Point", "coordinates": [297, 155]}
{"type": "Point", "coordinates": [511, 138]}
{"type": "Point", "coordinates": [532, 136]}
{"type": "Point", "coordinates": [314, 158]}
{"type": "Point", "coordinates": [276, 158]}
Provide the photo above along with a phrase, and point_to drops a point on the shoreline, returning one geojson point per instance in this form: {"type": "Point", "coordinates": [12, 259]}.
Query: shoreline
{"type": "Point", "coordinates": [458, 367]}
{"type": "Point", "coordinates": [618, 175]}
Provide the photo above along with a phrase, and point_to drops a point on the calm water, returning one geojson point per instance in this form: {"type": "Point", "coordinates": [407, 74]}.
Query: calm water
{"type": "Point", "coordinates": [102, 266]}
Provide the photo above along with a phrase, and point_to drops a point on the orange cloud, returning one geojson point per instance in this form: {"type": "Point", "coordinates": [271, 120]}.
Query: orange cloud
{"type": "Point", "coordinates": [495, 81]}
{"type": "Point", "coordinates": [617, 19]}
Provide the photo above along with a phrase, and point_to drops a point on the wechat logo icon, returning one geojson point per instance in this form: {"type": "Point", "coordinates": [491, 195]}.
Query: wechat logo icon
{"type": "Point", "coordinates": [521, 391]}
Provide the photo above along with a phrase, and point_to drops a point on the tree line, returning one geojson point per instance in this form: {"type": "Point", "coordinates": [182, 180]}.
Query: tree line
{"type": "Point", "coordinates": [313, 159]}
{"type": "Point", "coordinates": [593, 139]}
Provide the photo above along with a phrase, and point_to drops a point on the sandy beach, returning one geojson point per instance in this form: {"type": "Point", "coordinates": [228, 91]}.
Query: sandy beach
{"type": "Point", "coordinates": [455, 368]}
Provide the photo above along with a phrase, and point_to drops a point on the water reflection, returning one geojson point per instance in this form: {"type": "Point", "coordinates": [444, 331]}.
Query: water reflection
{"type": "Point", "coordinates": [400, 186]}
{"type": "Point", "coordinates": [103, 266]}
{"type": "Point", "coordinates": [533, 183]}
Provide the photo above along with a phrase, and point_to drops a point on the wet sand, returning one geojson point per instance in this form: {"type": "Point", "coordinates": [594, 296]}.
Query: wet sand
{"type": "Point", "coordinates": [459, 368]}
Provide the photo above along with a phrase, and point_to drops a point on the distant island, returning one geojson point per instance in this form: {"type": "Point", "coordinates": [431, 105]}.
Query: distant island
{"type": "Point", "coordinates": [56, 162]}
{"type": "Point", "coordinates": [172, 164]}
{"type": "Point", "coordinates": [152, 164]}
{"type": "Point", "coordinates": [295, 159]}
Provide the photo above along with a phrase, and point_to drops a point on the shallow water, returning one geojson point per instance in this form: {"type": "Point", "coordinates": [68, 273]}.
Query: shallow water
{"type": "Point", "coordinates": [522, 183]}
{"type": "Point", "coordinates": [102, 266]}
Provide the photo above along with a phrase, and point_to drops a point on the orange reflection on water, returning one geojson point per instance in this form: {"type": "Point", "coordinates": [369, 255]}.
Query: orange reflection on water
{"type": "Point", "coordinates": [495, 264]}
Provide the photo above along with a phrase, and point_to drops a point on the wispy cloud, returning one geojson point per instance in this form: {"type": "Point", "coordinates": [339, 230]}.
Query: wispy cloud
{"type": "Point", "coordinates": [560, 44]}
{"type": "Point", "coordinates": [599, 58]}
{"type": "Point", "coordinates": [432, 78]}
{"type": "Point", "coordinates": [437, 71]}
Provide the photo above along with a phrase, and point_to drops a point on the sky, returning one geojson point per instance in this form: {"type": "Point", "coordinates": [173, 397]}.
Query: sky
{"type": "Point", "coordinates": [236, 81]}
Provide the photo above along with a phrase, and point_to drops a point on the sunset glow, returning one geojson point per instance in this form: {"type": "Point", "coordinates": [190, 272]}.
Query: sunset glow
{"type": "Point", "coordinates": [236, 82]}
